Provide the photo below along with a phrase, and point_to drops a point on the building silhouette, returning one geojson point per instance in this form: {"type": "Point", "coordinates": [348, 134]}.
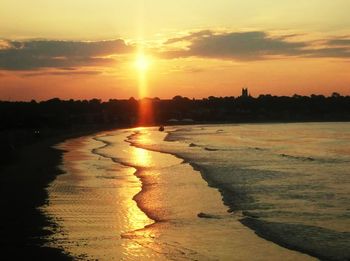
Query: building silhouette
{"type": "Point", "coordinates": [245, 92]}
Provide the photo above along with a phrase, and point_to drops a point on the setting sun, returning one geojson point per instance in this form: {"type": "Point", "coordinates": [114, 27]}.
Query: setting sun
{"type": "Point", "coordinates": [142, 62]}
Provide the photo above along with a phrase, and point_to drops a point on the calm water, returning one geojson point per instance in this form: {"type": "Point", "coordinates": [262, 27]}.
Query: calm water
{"type": "Point", "coordinates": [282, 172]}
{"type": "Point", "coordinates": [289, 183]}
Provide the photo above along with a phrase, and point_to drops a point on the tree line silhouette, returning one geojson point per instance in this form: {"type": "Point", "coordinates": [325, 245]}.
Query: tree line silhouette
{"type": "Point", "coordinates": [62, 114]}
{"type": "Point", "coordinates": [24, 122]}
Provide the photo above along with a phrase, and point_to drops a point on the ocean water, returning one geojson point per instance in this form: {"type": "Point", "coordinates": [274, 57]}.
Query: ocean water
{"type": "Point", "coordinates": [290, 181]}
{"type": "Point", "coordinates": [206, 192]}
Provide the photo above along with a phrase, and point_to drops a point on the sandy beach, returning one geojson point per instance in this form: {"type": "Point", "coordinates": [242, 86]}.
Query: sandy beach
{"type": "Point", "coordinates": [123, 202]}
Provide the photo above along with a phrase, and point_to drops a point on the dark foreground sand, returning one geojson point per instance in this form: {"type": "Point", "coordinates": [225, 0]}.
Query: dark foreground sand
{"type": "Point", "coordinates": [22, 190]}
{"type": "Point", "coordinates": [23, 185]}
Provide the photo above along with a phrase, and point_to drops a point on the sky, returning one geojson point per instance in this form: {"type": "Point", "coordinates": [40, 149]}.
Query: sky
{"type": "Point", "coordinates": [109, 49]}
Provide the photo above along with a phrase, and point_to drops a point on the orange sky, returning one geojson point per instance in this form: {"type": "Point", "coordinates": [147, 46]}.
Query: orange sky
{"type": "Point", "coordinates": [192, 48]}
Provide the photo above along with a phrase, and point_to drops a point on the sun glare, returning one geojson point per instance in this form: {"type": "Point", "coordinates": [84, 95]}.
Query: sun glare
{"type": "Point", "coordinates": [142, 62]}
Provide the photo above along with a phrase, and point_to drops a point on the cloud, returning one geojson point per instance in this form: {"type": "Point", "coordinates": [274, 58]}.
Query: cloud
{"type": "Point", "coordinates": [339, 42]}
{"type": "Point", "coordinates": [61, 73]}
{"type": "Point", "coordinates": [189, 37]}
{"type": "Point", "coordinates": [36, 54]}
{"type": "Point", "coordinates": [255, 45]}
{"type": "Point", "coordinates": [339, 52]}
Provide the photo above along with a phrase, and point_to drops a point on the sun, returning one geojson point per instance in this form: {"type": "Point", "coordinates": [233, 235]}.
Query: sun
{"type": "Point", "coordinates": [142, 62]}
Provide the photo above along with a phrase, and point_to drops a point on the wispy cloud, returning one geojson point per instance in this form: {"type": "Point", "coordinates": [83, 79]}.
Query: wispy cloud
{"type": "Point", "coordinates": [61, 73]}
{"type": "Point", "coordinates": [190, 36]}
{"type": "Point", "coordinates": [31, 55]}
{"type": "Point", "coordinates": [339, 42]}
{"type": "Point", "coordinates": [255, 45]}
{"type": "Point", "coordinates": [329, 52]}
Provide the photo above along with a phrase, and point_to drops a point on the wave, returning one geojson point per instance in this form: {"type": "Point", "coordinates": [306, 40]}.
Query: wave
{"type": "Point", "coordinates": [312, 159]}
{"type": "Point", "coordinates": [242, 187]}
{"type": "Point", "coordinates": [303, 238]}
{"type": "Point", "coordinates": [145, 183]}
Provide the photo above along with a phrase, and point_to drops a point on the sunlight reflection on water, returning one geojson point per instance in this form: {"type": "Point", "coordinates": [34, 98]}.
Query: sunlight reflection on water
{"type": "Point", "coordinates": [142, 157]}
{"type": "Point", "coordinates": [93, 205]}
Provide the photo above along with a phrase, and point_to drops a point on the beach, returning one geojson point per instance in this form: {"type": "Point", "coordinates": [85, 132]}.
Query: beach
{"type": "Point", "coordinates": [196, 192]}
{"type": "Point", "coordinates": [25, 175]}
{"type": "Point", "coordinates": [131, 194]}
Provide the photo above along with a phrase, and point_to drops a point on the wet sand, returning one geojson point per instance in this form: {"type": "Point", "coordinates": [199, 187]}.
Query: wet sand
{"type": "Point", "coordinates": [93, 205]}
{"type": "Point", "coordinates": [126, 203]}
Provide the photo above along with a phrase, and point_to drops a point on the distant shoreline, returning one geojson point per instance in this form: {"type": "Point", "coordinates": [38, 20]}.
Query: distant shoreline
{"type": "Point", "coordinates": [56, 113]}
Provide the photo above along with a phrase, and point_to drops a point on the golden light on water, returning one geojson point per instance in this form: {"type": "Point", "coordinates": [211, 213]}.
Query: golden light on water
{"type": "Point", "coordinates": [142, 157]}
{"type": "Point", "coordinates": [111, 226]}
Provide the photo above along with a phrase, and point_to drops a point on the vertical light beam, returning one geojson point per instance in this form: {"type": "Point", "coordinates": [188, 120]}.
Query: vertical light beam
{"type": "Point", "coordinates": [145, 116]}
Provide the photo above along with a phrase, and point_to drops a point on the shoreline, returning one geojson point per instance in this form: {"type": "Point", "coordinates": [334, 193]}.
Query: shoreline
{"type": "Point", "coordinates": [174, 227]}
{"type": "Point", "coordinates": [138, 174]}
{"type": "Point", "coordinates": [174, 221]}
{"type": "Point", "coordinates": [210, 184]}
{"type": "Point", "coordinates": [264, 229]}
{"type": "Point", "coordinates": [93, 204]}
{"type": "Point", "coordinates": [19, 240]}
{"type": "Point", "coordinates": [23, 225]}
